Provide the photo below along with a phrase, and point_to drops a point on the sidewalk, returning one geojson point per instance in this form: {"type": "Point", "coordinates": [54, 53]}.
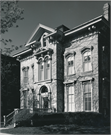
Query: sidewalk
{"type": "Point", "coordinates": [2, 128]}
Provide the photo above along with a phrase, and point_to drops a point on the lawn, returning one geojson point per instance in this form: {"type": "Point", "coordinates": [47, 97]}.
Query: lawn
{"type": "Point", "coordinates": [58, 129]}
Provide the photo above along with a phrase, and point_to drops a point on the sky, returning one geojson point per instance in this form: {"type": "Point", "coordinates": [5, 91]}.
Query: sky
{"type": "Point", "coordinates": [52, 14]}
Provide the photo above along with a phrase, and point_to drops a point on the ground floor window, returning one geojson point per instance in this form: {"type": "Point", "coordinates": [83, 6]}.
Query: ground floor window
{"type": "Point", "coordinates": [87, 96]}
{"type": "Point", "coordinates": [25, 99]}
{"type": "Point", "coordinates": [70, 98]}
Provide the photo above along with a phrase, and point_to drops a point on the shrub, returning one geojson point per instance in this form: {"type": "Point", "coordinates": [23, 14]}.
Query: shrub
{"type": "Point", "coordinates": [24, 117]}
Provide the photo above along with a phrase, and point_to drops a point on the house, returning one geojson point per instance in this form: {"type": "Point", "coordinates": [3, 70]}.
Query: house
{"type": "Point", "coordinates": [67, 70]}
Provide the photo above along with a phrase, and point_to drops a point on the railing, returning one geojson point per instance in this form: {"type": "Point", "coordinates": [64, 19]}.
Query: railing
{"type": "Point", "coordinates": [8, 119]}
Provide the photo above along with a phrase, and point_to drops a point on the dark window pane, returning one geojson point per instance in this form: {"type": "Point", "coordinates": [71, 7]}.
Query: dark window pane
{"type": "Point", "coordinates": [85, 105]}
{"type": "Point", "coordinates": [47, 65]}
{"type": "Point", "coordinates": [71, 63]}
{"type": "Point", "coordinates": [89, 58]}
{"type": "Point", "coordinates": [89, 105]}
{"type": "Point", "coordinates": [41, 66]}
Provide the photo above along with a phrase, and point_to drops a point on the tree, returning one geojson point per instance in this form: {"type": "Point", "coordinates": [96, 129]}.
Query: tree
{"type": "Point", "coordinates": [10, 14]}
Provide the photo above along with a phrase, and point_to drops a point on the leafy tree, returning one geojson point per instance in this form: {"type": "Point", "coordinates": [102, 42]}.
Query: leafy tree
{"type": "Point", "coordinates": [10, 14]}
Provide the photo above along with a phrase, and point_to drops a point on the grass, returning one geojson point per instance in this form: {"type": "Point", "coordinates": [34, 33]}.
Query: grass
{"type": "Point", "coordinates": [58, 129]}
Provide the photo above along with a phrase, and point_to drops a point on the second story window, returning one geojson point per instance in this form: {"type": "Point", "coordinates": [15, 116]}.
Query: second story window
{"type": "Point", "coordinates": [25, 76]}
{"type": "Point", "coordinates": [41, 70]}
{"type": "Point", "coordinates": [70, 65]}
{"type": "Point", "coordinates": [87, 61]}
{"type": "Point", "coordinates": [33, 73]}
{"type": "Point", "coordinates": [47, 68]}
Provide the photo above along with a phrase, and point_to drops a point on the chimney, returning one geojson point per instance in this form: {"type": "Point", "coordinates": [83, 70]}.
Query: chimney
{"type": "Point", "coordinates": [106, 13]}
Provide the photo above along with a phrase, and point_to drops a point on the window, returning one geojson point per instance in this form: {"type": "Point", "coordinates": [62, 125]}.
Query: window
{"type": "Point", "coordinates": [41, 70]}
{"type": "Point", "coordinates": [70, 65]}
{"type": "Point", "coordinates": [44, 41]}
{"type": "Point", "coordinates": [43, 98]}
{"type": "Point", "coordinates": [87, 96]}
{"type": "Point", "coordinates": [70, 94]}
{"type": "Point", "coordinates": [87, 61]}
{"type": "Point", "coordinates": [33, 73]}
{"type": "Point", "coordinates": [25, 76]}
{"type": "Point", "coordinates": [47, 68]}
{"type": "Point", "coordinates": [25, 99]}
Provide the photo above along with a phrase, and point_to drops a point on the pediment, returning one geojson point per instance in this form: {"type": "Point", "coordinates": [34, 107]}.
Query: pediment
{"type": "Point", "coordinates": [39, 31]}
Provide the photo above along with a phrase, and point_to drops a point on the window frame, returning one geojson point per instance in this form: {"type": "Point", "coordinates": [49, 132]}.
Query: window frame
{"type": "Point", "coordinates": [25, 76]}
{"type": "Point", "coordinates": [40, 63]}
{"type": "Point", "coordinates": [88, 92]}
{"type": "Point", "coordinates": [87, 62]}
{"type": "Point", "coordinates": [46, 71]}
{"type": "Point", "coordinates": [67, 56]}
{"type": "Point", "coordinates": [33, 78]}
{"type": "Point", "coordinates": [72, 86]}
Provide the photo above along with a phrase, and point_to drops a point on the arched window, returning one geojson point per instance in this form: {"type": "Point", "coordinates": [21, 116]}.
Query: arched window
{"type": "Point", "coordinates": [70, 65]}
{"type": "Point", "coordinates": [47, 68]}
{"type": "Point", "coordinates": [87, 61]}
{"type": "Point", "coordinates": [41, 70]}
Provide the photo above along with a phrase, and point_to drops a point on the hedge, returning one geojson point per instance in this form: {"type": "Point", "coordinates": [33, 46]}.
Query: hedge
{"type": "Point", "coordinates": [25, 118]}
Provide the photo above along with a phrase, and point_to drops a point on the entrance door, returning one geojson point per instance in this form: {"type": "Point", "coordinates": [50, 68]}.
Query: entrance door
{"type": "Point", "coordinates": [44, 102]}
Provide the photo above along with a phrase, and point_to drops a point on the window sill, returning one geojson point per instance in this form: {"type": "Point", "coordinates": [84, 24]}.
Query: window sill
{"type": "Point", "coordinates": [86, 72]}
{"type": "Point", "coordinates": [70, 75]}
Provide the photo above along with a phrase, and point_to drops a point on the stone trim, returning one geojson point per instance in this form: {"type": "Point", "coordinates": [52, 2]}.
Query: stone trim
{"type": "Point", "coordinates": [86, 79]}
{"type": "Point", "coordinates": [69, 53]}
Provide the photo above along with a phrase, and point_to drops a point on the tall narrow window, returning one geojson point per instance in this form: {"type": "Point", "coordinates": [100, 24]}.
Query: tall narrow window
{"type": "Point", "coordinates": [71, 104]}
{"type": "Point", "coordinates": [87, 61]}
{"type": "Point", "coordinates": [47, 68]}
{"type": "Point", "coordinates": [25, 98]}
{"type": "Point", "coordinates": [33, 73]}
{"type": "Point", "coordinates": [87, 96]}
{"type": "Point", "coordinates": [70, 65]}
{"type": "Point", "coordinates": [44, 41]}
{"type": "Point", "coordinates": [25, 74]}
{"type": "Point", "coordinates": [41, 70]}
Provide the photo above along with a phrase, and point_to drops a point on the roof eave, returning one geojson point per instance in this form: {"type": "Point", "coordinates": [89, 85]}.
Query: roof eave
{"type": "Point", "coordinates": [84, 25]}
{"type": "Point", "coordinates": [21, 53]}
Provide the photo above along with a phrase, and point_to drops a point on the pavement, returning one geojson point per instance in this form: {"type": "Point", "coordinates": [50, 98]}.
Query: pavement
{"type": "Point", "coordinates": [2, 128]}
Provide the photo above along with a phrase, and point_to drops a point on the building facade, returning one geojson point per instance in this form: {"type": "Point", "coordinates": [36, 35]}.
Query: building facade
{"type": "Point", "coordinates": [67, 70]}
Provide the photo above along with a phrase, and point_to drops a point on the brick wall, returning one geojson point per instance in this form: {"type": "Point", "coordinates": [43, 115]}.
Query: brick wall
{"type": "Point", "coordinates": [88, 40]}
